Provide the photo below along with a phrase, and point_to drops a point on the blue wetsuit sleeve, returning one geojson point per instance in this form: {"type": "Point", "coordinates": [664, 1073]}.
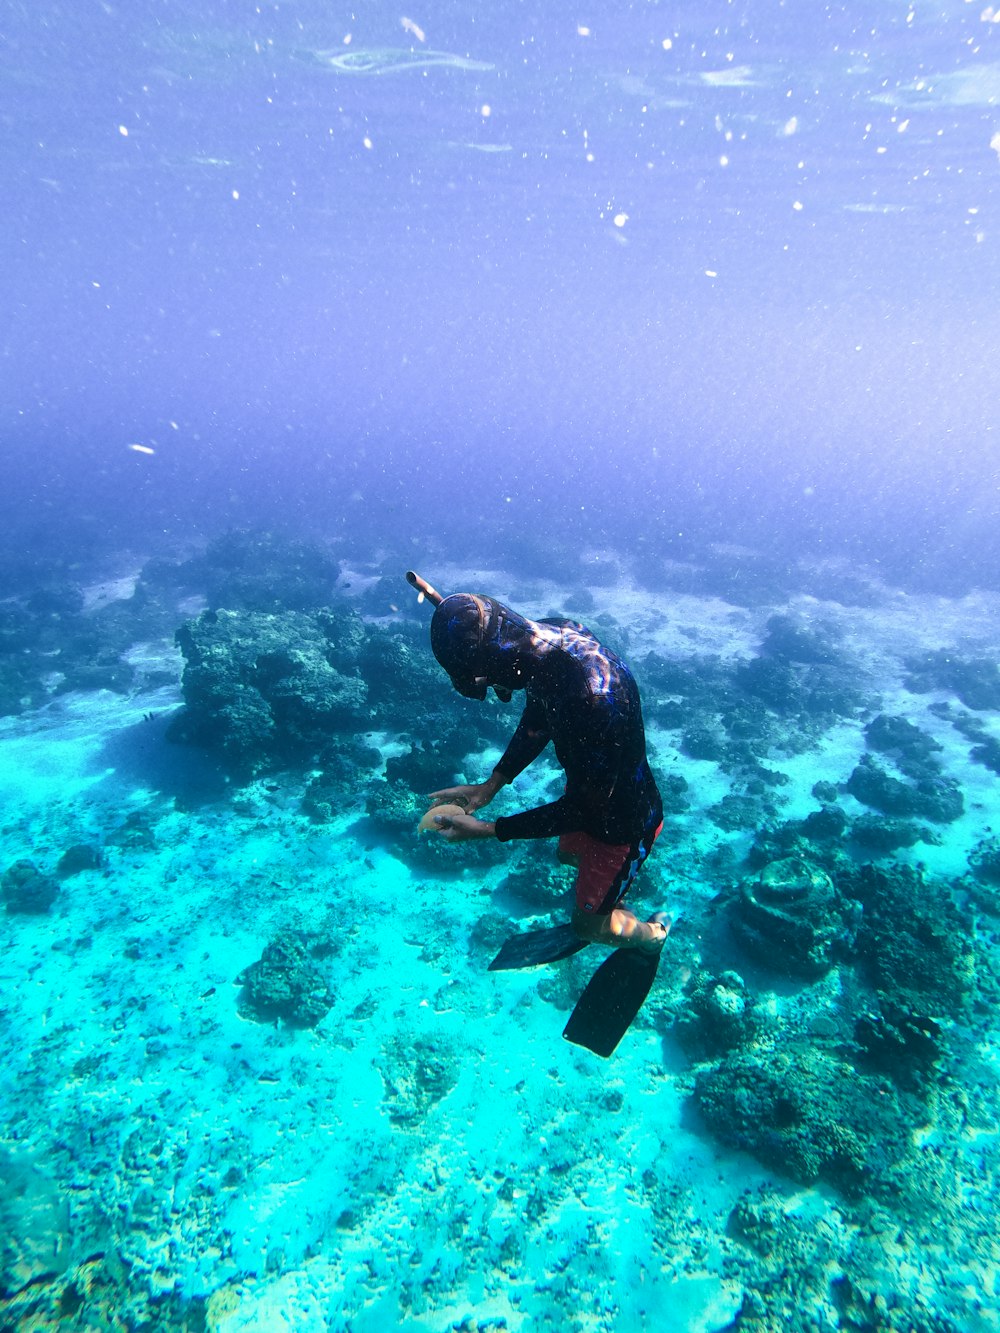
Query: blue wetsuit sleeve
{"type": "Point", "coordinates": [545, 821]}
{"type": "Point", "coordinates": [528, 741]}
{"type": "Point", "coordinates": [591, 762]}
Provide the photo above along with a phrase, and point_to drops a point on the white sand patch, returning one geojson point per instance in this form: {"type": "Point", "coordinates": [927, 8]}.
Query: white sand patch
{"type": "Point", "coordinates": [98, 595]}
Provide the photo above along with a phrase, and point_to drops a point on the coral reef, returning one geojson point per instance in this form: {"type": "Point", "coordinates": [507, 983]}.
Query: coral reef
{"type": "Point", "coordinates": [416, 1078]}
{"type": "Point", "coordinates": [81, 856]}
{"type": "Point", "coordinates": [798, 639]}
{"type": "Point", "coordinates": [348, 765]}
{"type": "Point", "coordinates": [266, 688]}
{"type": "Point", "coordinates": [984, 860]}
{"type": "Point", "coordinates": [880, 836]}
{"type": "Point", "coordinates": [286, 983]}
{"type": "Point", "coordinates": [974, 680]}
{"type": "Point", "coordinates": [913, 750]}
{"type": "Point", "coordinates": [719, 1014]}
{"type": "Point", "coordinates": [808, 1115]}
{"type": "Point", "coordinates": [257, 570]}
{"type": "Point", "coordinates": [938, 799]}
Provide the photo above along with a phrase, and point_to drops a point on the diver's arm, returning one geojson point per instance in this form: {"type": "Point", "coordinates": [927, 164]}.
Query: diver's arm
{"type": "Point", "coordinates": [464, 828]}
{"type": "Point", "coordinates": [527, 743]}
{"type": "Point", "coordinates": [544, 821]}
{"type": "Point", "coordinates": [473, 795]}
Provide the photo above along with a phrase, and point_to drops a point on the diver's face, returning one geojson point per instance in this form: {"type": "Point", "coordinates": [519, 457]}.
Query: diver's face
{"type": "Point", "coordinates": [472, 687]}
{"type": "Point", "coordinates": [475, 687]}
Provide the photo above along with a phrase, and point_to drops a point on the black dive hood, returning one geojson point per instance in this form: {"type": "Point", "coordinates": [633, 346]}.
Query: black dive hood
{"type": "Point", "coordinates": [476, 639]}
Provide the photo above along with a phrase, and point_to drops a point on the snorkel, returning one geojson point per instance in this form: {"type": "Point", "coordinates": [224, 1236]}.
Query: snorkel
{"type": "Point", "coordinates": [423, 588]}
{"type": "Point", "coordinates": [462, 628]}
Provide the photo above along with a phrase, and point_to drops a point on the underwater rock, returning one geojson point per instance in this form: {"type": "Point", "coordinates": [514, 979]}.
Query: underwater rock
{"type": "Point", "coordinates": [348, 767]}
{"type": "Point", "coordinates": [861, 1304]}
{"type": "Point", "coordinates": [791, 917]}
{"type": "Point", "coordinates": [81, 856]}
{"type": "Point", "coordinates": [906, 1047]}
{"type": "Point", "coordinates": [248, 570]}
{"type": "Point", "coordinates": [702, 743]}
{"type": "Point", "coordinates": [827, 824]}
{"type": "Point", "coordinates": [35, 1230]}
{"type": "Point", "coordinates": [673, 793]}
{"type": "Point", "coordinates": [107, 672]}
{"type": "Point", "coordinates": [27, 890]}
{"type": "Point", "coordinates": [984, 860]}
{"type": "Point", "coordinates": [987, 753]}
{"type": "Point", "coordinates": [18, 630]}
{"type": "Point", "coordinates": [935, 798]}
{"type": "Point", "coordinates": [881, 835]}
{"type": "Point", "coordinates": [773, 841]}
{"type": "Point", "coordinates": [812, 838]}
{"type": "Point", "coordinates": [976, 681]}
{"type": "Point", "coordinates": [428, 765]}
{"type": "Point", "coordinates": [266, 688]}
{"type": "Point", "coordinates": [915, 944]}
{"type": "Point", "coordinates": [807, 1114]}
{"type": "Point", "coordinates": [912, 748]}
{"type": "Point", "coordinates": [579, 601]}
{"type": "Point", "coordinates": [391, 806]}
{"type": "Point", "coordinates": [736, 811]}
{"type": "Point", "coordinates": [285, 983]}
{"type": "Point", "coordinates": [534, 886]}
{"type": "Point", "coordinates": [747, 720]}
{"type": "Point", "coordinates": [135, 832]}
{"type": "Point", "coordinates": [772, 681]}
{"type": "Point", "coordinates": [56, 601]}
{"type": "Point", "coordinates": [758, 1219]}
{"type": "Point", "coordinates": [663, 675]}
{"type": "Point", "coordinates": [416, 1076]}
{"type": "Point", "coordinates": [718, 1014]}
{"type": "Point", "coordinates": [798, 640]}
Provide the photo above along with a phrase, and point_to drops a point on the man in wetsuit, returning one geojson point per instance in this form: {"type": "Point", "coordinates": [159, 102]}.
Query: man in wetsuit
{"type": "Point", "coordinates": [582, 697]}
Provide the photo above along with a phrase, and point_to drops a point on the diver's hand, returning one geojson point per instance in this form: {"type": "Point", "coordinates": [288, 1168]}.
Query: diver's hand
{"type": "Point", "coordinates": [463, 828]}
{"type": "Point", "coordinates": [472, 796]}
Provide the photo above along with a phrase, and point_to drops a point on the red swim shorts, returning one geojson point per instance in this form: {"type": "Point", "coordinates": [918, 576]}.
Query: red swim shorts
{"type": "Point", "coordinates": [605, 870]}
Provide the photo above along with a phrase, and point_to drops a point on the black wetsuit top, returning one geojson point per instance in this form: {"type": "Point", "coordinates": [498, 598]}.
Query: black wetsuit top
{"type": "Point", "coordinates": [585, 700]}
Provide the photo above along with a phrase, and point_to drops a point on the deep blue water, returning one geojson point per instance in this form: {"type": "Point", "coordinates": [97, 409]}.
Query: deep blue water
{"type": "Point", "coordinates": [398, 302]}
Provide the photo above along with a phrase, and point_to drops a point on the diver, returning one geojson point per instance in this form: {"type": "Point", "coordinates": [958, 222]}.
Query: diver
{"type": "Point", "coordinates": [582, 697]}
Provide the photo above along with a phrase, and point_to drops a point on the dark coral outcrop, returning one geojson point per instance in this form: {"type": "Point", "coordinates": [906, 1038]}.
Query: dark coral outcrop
{"type": "Point", "coordinates": [27, 889]}
{"type": "Point", "coordinates": [975, 680]}
{"type": "Point", "coordinates": [286, 983]}
{"type": "Point", "coordinates": [265, 688]}
{"type": "Point", "coordinates": [807, 1114]}
{"type": "Point", "coordinates": [938, 799]}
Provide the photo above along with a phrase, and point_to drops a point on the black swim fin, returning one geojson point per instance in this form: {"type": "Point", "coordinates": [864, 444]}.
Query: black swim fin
{"type": "Point", "coordinates": [532, 947]}
{"type": "Point", "coordinates": [613, 997]}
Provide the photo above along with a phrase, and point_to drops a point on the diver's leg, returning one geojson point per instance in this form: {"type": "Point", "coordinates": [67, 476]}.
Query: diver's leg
{"type": "Point", "coordinates": [605, 875]}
